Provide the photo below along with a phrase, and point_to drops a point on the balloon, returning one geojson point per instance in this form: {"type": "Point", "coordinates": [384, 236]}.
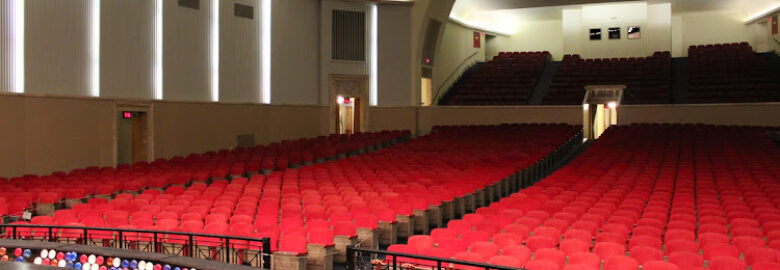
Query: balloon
{"type": "Point", "coordinates": [91, 259]}
{"type": "Point", "coordinates": [62, 263]}
{"type": "Point", "coordinates": [2, 251]}
{"type": "Point", "coordinates": [52, 254]}
{"type": "Point", "coordinates": [99, 260]}
{"type": "Point", "coordinates": [77, 265]}
{"type": "Point", "coordinates": [37, 260]}
{"type": "Point", "coordinates": [125, 264]}
{"type": "Point", "coordinates": [149, 266]}
{"type": "Point", "coordinates": [44, 253]}
{"type": "Point", "coordinates": [133, 264]}
{"type": "Point", "coordinates": [60, 255]}
{"type": "Point", "coordinates": [166, 267]}
{"type": "Point", "coordinates": [117, 262]}
{"type": "Point", "coordinates": [20, 259]}
{"type": "Point", "coordinates": [27, 253]}
{"type": "Point", "coordinates": [142, 265]}
{"type": "Point", "coordinates": [4, 258]}
{"type": "Point", "coordinates": [83, 259]}
{"type": "Point", "coordinates": [18, 252]}
{"type": "Point", "coordinates": [157, 267]}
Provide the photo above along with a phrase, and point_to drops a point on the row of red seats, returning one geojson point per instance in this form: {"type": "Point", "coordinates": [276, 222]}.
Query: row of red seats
{"type": "Point", "coordinates": [19, 193]}
{"type": "Point", "coordinates": [507, 80]}
{"type": "Point", "coordinates": [646, 78]}
{"type": "Point", "coordinates": [663, 197]}
{"type": "Point", "coordinates": [318, 203]}
{"type": "Point", "coordinates": [727, 73]}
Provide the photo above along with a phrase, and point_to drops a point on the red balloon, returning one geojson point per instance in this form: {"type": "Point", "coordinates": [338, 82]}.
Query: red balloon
{"type": "Point", "coordinates": [4, 258]}
{"type": "Point", "coordinates": [83, 258]}
{"type": "Point", "coordinates": [100, 260]}
{"type": "Point", "coordinates": [18, 252]}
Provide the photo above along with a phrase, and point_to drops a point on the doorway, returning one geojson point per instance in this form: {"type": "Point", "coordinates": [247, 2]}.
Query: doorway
{"type": "Point", "coordinates": [599, 118]}
{"type": "Point", "coordinates": [348, 114]}
{"type": "Point", "coordinates": [132, 137]}
{"type": "Point", "coordinates": [349, 94]}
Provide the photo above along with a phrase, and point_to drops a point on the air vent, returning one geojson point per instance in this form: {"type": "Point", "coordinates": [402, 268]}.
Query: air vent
{"type": "Point", "coordinates": [431, 37]}
{"type": "Point", "coordinates": [349, 35]}
{"type": "Point", "coordinates": [244, 11]}
{"type": "Point", "coordinates": [193, 4]}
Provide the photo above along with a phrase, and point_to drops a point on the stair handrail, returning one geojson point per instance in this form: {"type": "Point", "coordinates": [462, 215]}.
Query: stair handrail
{"type": "Point", "coordinates": [458, 69]}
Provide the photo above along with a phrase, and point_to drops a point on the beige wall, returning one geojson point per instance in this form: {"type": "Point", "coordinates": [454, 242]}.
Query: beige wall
{"type": "Point", "coordinates": [126, 53]}
{"type": "Point", "coordinates": [186, 66]}
{"type": "Point", "coordinates": [392, 118]}
{"type": "Point", "coordinates": [547, 36]}
{"type": "Point", "coordinates": [763, 114]}
{"type": "Point", "coordinates": [455, 48]}
{"type": "Point", "coordinates": [42, 135]}
{"type": "Point", "coordinates": [295, 52]}
{"type": "Point", "coordinates": [709, 27]}
{"type": "Point", "coordinates": [183, 128]}
{"type": "Point", "coordinates": [433, 116]}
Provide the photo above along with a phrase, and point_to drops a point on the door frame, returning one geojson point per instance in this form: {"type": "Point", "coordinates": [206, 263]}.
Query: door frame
{"type": "Point", "coordinates": [359, 81]}
{"type": "Point", "coordinates": [148, 110]}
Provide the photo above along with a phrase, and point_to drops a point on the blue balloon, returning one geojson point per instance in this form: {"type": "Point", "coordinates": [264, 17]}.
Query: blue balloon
{"type": "Point", "coordinates": [134, 264]}
{"type": "Point", "coordinates": [20, 259]}
{"type": "Point", "coordinates": [27, 253]}
{"type": "Point", "coordinates": [176, 268]}
{"type": "Point", "coordinates": [125, 263]}
{"type": "Point", "coordinates": [77, 265]}
{"type": "Point", "coordinates": [166, 267]}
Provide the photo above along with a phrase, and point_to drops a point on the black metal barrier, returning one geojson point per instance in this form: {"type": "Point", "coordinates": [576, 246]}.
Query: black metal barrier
{"type": "Point", "coordinates": [363, 259]}
{"type": "Point", "coordinates": [221, 248]}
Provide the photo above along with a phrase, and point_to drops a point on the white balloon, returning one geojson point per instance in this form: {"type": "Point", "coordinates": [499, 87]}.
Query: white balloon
{"type": "Point", "coordinates": [117, 262]}
{"type": "Point", "coordinates": [62, 263]}
{"type": "Point", "coordinates": [52, 254]}
{"type": "Point", "coordinates": [149, 266]}
{"type": "Point", "coordinates": [91, 259]}
{"type": "Point", "coordinates": [141, 265]}
{"type": "Point", "coordinates": [95, 267]}
{"type": "Point", "coordinates": [85, 266]}
{"type": "Point", "coordinates": [44, 253]}
{"type": "Point", "coordinates": [37, 260]}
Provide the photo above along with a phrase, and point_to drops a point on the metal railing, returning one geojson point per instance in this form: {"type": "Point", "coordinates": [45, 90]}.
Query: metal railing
{"type": "Point", "coordinates": [215, 247]}
{"type": "Point", "coordinates": [361, 259]}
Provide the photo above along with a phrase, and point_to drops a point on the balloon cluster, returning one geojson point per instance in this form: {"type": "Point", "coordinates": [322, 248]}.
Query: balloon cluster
{"type": "Point", "coordinates": [73, 260]}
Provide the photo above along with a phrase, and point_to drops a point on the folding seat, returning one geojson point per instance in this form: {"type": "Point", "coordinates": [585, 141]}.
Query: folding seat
{"type": "Point", "coordinates": [620, 263]}
{"type": "Point", "coordinates": [726, 263]}
{"type": "Point", "coordinates": [642, 254]}
{"type": "Point", "coordinates": [746, 231]}
{"type": "Point", "coordinates": [570, 246]}
{"type": "Point", "coordinates": [486, 249]}
{"type": "Point", "coordinates": [468, 257]}
{"type": "Point", "coordinates": [585, 258]}
{"type": "Point", "coordinates": [552, 255]}
{"type": "Point", "coordinates": [582, 235]}
{"type": "Point", "coordinates": [559, 224]}
{"type": "Point", "coordinates": [765, 266]}
{"type": "Point", "coordinates": [420, 242]}
{"type": "Point", "coordinates": [659, 265]}
{"type": "Point", "coordinates": [475, 236]}
{"type": "Point", "coordinates": [473, 219]}
{"type": "Point", "coordinates": [608, 249]}
{"type": "Point", "coordinates": [615, 228]}
{"type": "Point", "coordinates": [744, 243]}
{"type": "Point", "coordinates": [681, 225]}
{"type": "Point", "coordinates": [723, 250]}
{"type": "Point", "coordinates": [588, 226]}
{"type": "Point", "coordinates": [761, 254]}
{"type": "Point", "coordinates": [507, 239]}
{"type": "Point", "coordinates": [460, 226]}
{"type": "Point", "coordinates": [522, 253]}
{"type": "Point", "coordinates": [518, 229]}
{"type": "Point", "coordinates": [610, 237]}
{"type": "Point", "coordinates": [505, 261]}
{"type": "Point", "coordinates": [706, 239]}
{"type": "Point", "coordinates": [550, 232]}
{"type": "Point", "coordinates": [538, 242]}
{"type": "Point", "coordinates": [678, 234]}
{"type": "Point", "coordinates": [443, 233]}
{"type": "Point", "coordinates": [713, 228]}
{"type": "Point", "coordinates": [774, 244]}
{"type": "Point", "coordinates": [294, 244]}
{"type": "Point", "coordinates": [488, 228]}
{"type": "Point", "coordinates": [646, 231]}
{"type": "Point", "coordinates": [681, 245]}
{"type": "Point", "coordinates": [542, 265]}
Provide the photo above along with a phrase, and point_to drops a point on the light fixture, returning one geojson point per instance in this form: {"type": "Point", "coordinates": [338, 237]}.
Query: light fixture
{"type": "Point", "coordinates": [340, 100]}
{"type": "Point", "coordinates": [612, 105]}
{"type": "Point", "coordinates": [17, 51]}
{"type": "Point", "coordinates": [585, 107]}
{"type": "Point", "coordinates": [157, 62]}
{"type": "Point", "coordinates": [214, 52]}
{"type": "Point", "coordinates": [373, 80]}
{"type": "Point", "coordinates": [265, 44]}
{"type": "Point", "coordinates": [95, 48]}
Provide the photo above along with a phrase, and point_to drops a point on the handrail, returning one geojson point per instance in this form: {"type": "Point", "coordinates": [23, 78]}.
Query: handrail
{"type": "Point", "coordinates": [457, 69]}
{"type": "Point", "coordinates": [17, 231]}
{"type": "Point", "coordinates": [352, 263]}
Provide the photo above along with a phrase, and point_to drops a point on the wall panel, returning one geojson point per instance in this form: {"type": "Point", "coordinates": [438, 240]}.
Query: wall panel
{"type": "Point", "coordinates": [239, 68]}
{"type": "Point", "coordinates": [186, 73]}
{"type": "Point", "coordinates": [295, 53]}
{"type": "Point", "coordinates": [57, 47]}
{"type": "Point", "coordinates": [126, 53]}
